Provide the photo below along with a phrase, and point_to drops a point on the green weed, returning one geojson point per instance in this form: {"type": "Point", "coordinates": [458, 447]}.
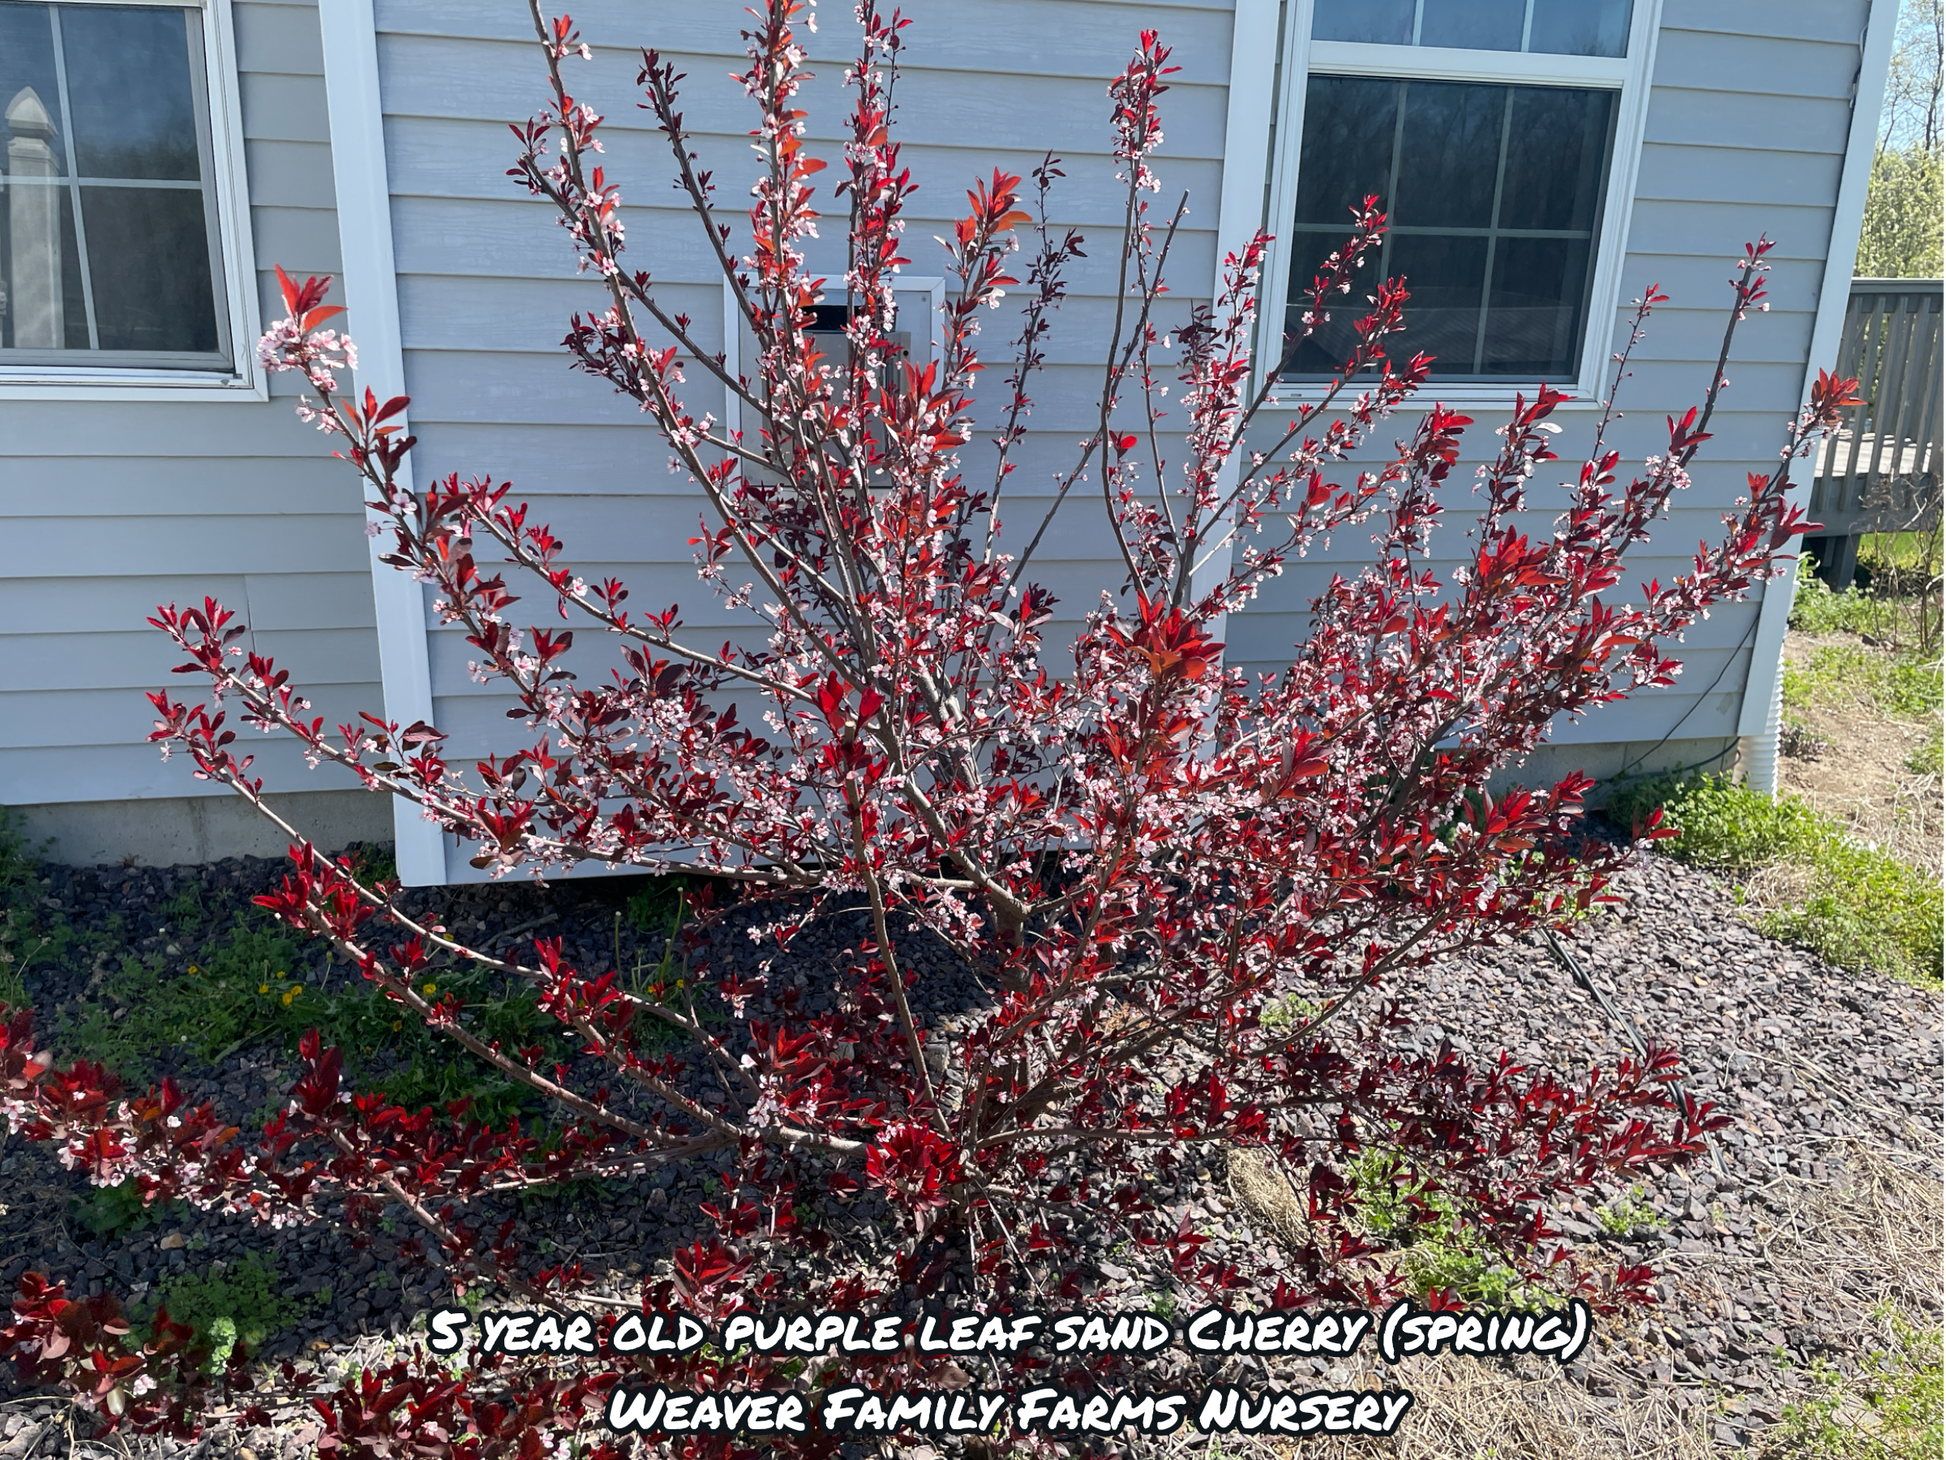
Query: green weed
{"type": "Point", "coordinates": [26, 937]}
{"type": "Point", "coordinates": [1891, 1411]}
{"type": "Point", "coordinates": [1892, 684]}
{"type": "Point", "coordinates": [185, 913]}
{"type": "Point", "coordinates": [1723, 823]}
{"type": "Point", "coordinates": [656, 912]}
{"type": "Point", "coordinates": [109, 1210]}
{"type": "Point", "coordinates": [1439, 1251]}
{"type": "Point", "coordinates": [1866, 910]}
{"type": "Point", "coordinates": [1288, 1011]}
{"type": "Point", "coordinates": [1815, 609]}
{"type": "Point", "coordinates": [375, 864]}
{"type": "Point", "coordinates": [227, 1305]}
{"type": "Point", "coordinates": [1628, 1214]}
{"type": "Point", "coordinates": [241, 992]}
{"type": "Point", "coordinates": [1925, 761]}
{"type": "Point", "coordinates": [252, 986]}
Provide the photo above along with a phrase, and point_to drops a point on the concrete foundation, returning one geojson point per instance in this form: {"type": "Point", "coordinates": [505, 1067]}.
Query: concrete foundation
{"type": "Point", "coordinates": [170, 831]}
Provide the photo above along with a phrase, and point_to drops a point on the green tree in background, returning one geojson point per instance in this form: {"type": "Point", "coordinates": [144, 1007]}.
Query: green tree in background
{"type": "Point", "coordinates": [1900, 238]}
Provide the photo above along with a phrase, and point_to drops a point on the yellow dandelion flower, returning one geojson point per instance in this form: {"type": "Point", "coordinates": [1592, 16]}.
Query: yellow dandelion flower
{"type": "Point", "coordinates": [263, 988]}
{"type": "Point", "coordinates": [194, 969]}
{"type": "Point", "coordinates": [282, 974]}
{"type": "Point", "coordinates": [398, 1024]}
{"type": "Point", "coordinates": [428, 987]}
{"type": "Point", "coordinates": [287, 997]}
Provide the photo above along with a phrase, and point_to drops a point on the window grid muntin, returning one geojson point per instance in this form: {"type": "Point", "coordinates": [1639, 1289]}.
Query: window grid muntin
{"type": "Point", "coordinates": [194, 16]}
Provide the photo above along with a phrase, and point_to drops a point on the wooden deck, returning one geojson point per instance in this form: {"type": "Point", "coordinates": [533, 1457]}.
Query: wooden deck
{"type": "Point", "coordinates": [1880, 472]}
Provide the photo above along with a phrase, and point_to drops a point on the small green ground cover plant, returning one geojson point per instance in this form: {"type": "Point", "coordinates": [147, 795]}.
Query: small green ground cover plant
{"type": "Point", "coordinates": [1438, 1251]}
{"type": "Point", "coordinates": [1926, 760]}
{"type": "Point", "coordinates": [229, 1303]}
{"type": "Point", "coordinates": [251, 986]}
{"type": "Point", "coordinates": [1895, 598]}
{"type": "Point", "coordinates": [25, 939]}
{"type": "Point", "coordinates": [107, 1211]}
{"type": "Point", "coordinates": [1861, 908]}
{"type": "Point", "coordinates": [1629, 1213]}
{"type": "Point", "coordinates": [1900, 685]}
{"type": "Point", "coordinates": [1891, 1410]}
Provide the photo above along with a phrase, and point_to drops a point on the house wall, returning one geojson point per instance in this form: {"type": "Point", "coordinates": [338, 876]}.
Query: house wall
{"type": "Point", "coordinates": [109, 507]}
{"type": "Point", "coordinates": [1744, 134]}
{"type": "Point", "coordinates": [487, 281]}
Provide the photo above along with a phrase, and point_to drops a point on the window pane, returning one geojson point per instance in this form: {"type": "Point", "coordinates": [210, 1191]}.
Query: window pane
{"type": "Point", "coordinates": [129, 92]}
{"type": "Point", "coordinates": [1556, 154]}
{"type": "Point", "coordinates": [1385, 22]}
{"type": "Point", "coordinates": [1350, 125]}
{"type": "Point", "coordinates": [148, 253]}
{"type": "Point", "coordinates": [1548, 27]}
{"type": "Point", "coordinates": [1534, 317]}
{"type": "Point", "coordinates": [1446, 277]}
{"type": "Point", "coordinates": [104, 233]}
{"type": "Point", "coordinates": [1474, 25]}
{"type": "Point", "coordinates": [1329, 346]}
{"type": "Point", "coordinates": [1580, 27]}
{"type": "Point", "coordinates": [1450, 154]}
{"type": "Point", "coordinates": [1492, 185]}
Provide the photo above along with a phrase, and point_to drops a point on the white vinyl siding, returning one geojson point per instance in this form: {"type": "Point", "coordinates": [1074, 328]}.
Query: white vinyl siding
{"type": "Point", "coordinates": [1743, 135]}
{"type": "Point", "coordinates": [110, 506]}
{"type": "Point", "coordinates": [487, 281]}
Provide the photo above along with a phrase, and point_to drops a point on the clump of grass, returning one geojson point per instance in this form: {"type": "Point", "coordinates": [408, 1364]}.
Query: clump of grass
{"type": "Point", "coordinates": [1925, 761]}
{"type": "Point", "coordinates": [1893, 684]}
{"type": "Point", "coordinates": [241, 991]}
{"type": "Point", "coordinates": [1860, 908]}
{"type": "Point", "coordinates": [254, 985]}
{"type": "Point", "coordinates": [1722, 822]}
{"type": "Point", "coordinates": [26, 935]}
{"type": "Point", "coordinates": [1815, 609]}
{"type": "Point", "coordinates": [1865, 909]}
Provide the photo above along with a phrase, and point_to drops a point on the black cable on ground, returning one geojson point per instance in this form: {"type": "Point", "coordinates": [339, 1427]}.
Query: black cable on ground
{"type": "Point", "coordinates": [1572, 964]}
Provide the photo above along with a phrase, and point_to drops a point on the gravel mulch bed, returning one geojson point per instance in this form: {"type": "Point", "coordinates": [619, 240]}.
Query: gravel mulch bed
{"type": "Point", "coordinates": [1833, 1082]}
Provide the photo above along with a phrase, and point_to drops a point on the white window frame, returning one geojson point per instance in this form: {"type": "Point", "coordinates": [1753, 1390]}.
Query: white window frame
{"type": "Point", "coordinates": [237, 291]}
{"type": "Point", "coordinates": [1627, 75]}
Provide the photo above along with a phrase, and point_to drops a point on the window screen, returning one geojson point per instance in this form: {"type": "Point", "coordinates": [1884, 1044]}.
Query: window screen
{"type": "Point", "coordinates": [108, 229]}
{"type": "Point", "coordinates": [1495, 199]}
